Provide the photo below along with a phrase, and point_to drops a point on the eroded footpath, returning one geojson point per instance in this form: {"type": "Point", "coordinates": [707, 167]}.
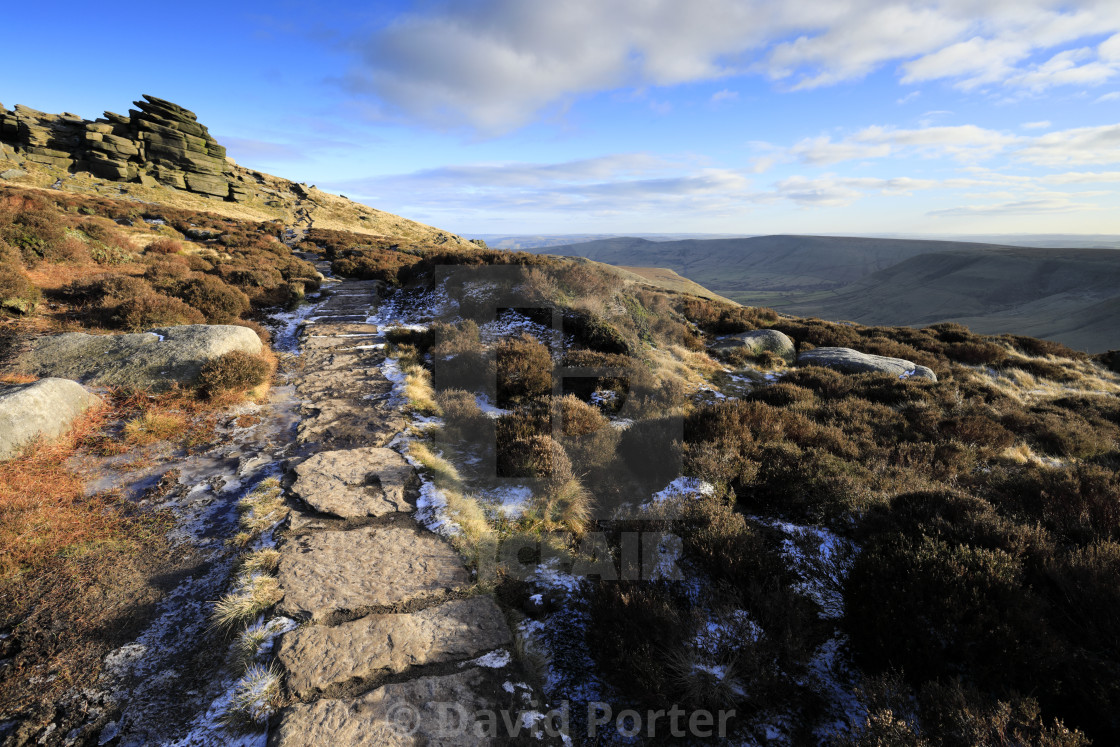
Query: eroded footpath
{"type": "Point", "coordinates": [394, 635]}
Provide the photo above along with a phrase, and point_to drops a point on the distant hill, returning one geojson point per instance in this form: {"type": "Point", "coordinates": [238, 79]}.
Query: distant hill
{"type": "Point", "coordinates": [1070, 295]}
{"type": "Point", "coordinates": [761, 263]}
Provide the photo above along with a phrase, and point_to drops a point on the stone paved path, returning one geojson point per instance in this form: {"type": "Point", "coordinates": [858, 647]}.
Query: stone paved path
{"type": "Point", "coordinates": [391, 623]}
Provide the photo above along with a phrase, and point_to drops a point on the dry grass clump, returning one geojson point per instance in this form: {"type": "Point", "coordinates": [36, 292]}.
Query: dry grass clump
{"type": "Point", "coordinates": [259, 694]}
{"type": "Point", "coordinates": [524, 369]}
{"type": "Point", "coordinates": [156, 310]}
{"type": "Point", "coordinates": [154, 425]}
{"type": "Point", "coordinates": [43, 507]}
{"type": "Point", "coordinates": [261, 509]}
{"type": "Point", "coordinates": [254, 594]}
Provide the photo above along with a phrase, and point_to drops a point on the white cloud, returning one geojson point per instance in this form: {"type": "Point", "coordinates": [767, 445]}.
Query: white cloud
{"type": "Point", "coordinates": [1108, 97]}
{"type": "Point", "coordinates": [495, 65]}
{"type": "Point", "coordinates": [821, 151]}
{"type": "Point", "coordinates": [1041, 125]}
{"type": "Point", "coordinates": [1018, 207]}
{"type": "Point", "coordinates": [908, 97]}
{"type": "Point", "coordinates": [1082, 177]}
{"type": "Point", "coordinates": [724, 95]}
{"type": "Point", "coordinates": [833, 191]}
{"type": "Point", "coordinates": [1077, 146]}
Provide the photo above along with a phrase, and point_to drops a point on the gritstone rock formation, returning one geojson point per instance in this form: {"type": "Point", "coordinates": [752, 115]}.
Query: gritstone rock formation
{"type": "Point", "coordinates": [159, 142]}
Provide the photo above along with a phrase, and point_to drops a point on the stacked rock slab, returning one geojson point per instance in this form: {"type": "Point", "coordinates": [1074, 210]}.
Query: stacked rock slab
{"type": "Point", "coordinates": [158, 142]}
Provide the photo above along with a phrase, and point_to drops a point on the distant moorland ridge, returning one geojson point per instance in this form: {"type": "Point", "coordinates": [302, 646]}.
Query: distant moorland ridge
{"type": "Point", "coordinates": [1069, 295]}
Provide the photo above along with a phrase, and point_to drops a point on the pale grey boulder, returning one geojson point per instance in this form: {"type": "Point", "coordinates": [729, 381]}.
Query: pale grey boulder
{"type": "Point", "coordinates": [147, 360]}
{"type": "Point", "coordinates": [847, 360]}
{"type": "Point", "coordinates": [45, 408]}
{"type": "Point", "coordinates": [759, 341]}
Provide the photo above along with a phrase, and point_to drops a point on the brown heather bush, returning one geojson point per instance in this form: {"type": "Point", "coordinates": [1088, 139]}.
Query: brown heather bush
{"type": "Point", "coordinates": [18, 295]}
{"type": "Point", "coordinates": [232, 372]}
{"type": "Point", "coordinates": [108, 289]}
{"type": "Point", "coordinates": [166, 271]}
{"type": "Point", "coordinates": [156, 310]}
{"type": "Point", "coordinates": [949, 713]}
{"type": "Point", "coordinates": [219, 303]}
{"type": "Point", "coordinates": [27, 223]}
{"type": "Point", "coordinates": [198, 263]}
{"type": "Point", "coordinates": [524, 369]}
{"type": "Point", "coordinates": [164, 245]}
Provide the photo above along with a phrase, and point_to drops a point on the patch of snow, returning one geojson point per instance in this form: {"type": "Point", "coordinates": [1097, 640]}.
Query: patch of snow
{"type": "Point", "coordinates": [493, 660]}
{"type": "Point", "coordinates": [489, 410]}
{"type": "Point", "coordinates": [831, 674]}
{"type": "Point", "coordinates": [685, 487]}
{"type": "Point", "coordinates": [510, 500]}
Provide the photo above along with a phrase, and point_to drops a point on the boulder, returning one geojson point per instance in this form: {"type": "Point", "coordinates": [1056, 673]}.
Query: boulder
{"type": "Point", "coordinates": [847, 360]}
{"type": "Point", "coordinates": [759, 341]}
{"type": "Point", "coordinates": [45, 408]}
{"type": "Point", "coordinates": [147, 360]}
{"type": "Point", "coordinates": [12, 174]}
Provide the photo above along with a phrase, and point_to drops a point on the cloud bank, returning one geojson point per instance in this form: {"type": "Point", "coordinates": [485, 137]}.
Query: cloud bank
{"type": "Point", "coordinates": [496, 65]}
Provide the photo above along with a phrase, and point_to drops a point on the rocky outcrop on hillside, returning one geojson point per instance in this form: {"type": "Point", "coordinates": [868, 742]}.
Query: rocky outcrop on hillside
{"type": "Point", "coordinates": [158, 142]}
{"type": "Point", "coordinates": [847, 360]}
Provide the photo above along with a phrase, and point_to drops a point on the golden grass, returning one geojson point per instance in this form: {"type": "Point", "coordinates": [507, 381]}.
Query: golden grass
{"type": "Point", "coordinates": [43, 507]}
{"type": "Point", "coordinates": [253, 595]}
{"type": "Point", "coordinates": [263, 507]}
{"type": "Point", "coordinates": [154, 426]}
{"type": "Point", "coordinates": [259, 694]}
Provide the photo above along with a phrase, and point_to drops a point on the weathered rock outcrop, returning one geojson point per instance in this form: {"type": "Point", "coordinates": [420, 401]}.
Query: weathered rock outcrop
{"type": "Point", "coordinates": [853, 361]}
{"type": "Point", "coordinates": [45, 408]}
{"type": "Point", "coordinates": [147, 360]}
{"type": "Point", "coordinates": [760, 341]}
{"type": "Point", "coordinates": [158, 142]}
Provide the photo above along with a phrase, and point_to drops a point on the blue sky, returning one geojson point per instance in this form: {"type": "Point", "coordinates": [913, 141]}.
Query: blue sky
{"type": "Point", "coordinates": [629, 116]}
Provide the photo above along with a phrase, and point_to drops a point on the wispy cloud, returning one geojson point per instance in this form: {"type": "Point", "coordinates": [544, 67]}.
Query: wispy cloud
{"type": "Point", "coordinates": [1042, 125]}
{"type": "Point", "coordinates": [1020, 207]}
{"type": "Point", "coordinates": [724, 95]}
{"type": "Point", "coordinates": [496, 65]}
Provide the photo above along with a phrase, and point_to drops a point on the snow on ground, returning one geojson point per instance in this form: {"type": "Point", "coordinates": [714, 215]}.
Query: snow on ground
{"type": "Point", "coordinates": [509, 500]}
{"type": "Point", "coordinates": [821, 559]}
{"type": "Point", "coordinates": [685, 487]}
{"type": "Point", "coordinates": [489, 410]}
{"type": "Point", "coordinates": [832, 675]}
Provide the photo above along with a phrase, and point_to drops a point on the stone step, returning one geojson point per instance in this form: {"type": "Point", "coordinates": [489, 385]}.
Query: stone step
{"type": "Point", "coordinates": [342, 328]}
{"type": "Point", "coordinates": [333, 576]}
{"type": "Point", "coordinates": [354, 655]}
{"type": "Point", "coordinates": [357, 483]}
{"type": "Point", "coordinates": [344, 424]}
{"type": "Point", "coordinates": [417, 712]}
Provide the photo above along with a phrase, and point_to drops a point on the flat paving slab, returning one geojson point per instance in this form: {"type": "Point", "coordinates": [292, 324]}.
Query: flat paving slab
{"type": "Point", "coordinates": [321, 659]}
{"type": "Point", "coordinates": [331, 576]}
{"type": "Point", "coordinates": [356, 483]}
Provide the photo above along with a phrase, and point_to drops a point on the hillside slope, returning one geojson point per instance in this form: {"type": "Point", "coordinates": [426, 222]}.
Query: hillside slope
{"type": "Point", "coordinates": [160, 153]}
{"type": "Point", "coordinates": [1069, 295]}
{"type": "Point", "coordinates": [761, 263]}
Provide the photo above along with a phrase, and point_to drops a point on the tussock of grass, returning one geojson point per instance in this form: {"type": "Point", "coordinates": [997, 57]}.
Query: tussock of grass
{"type": "Point", "coordinates": [259, 694]}
{"type": "Point", "coordinates": [442, 472]}
{"type": "Point", "coordinates": [154, 426]}
{"type": "Point", "coordinates": [254, 594]}
{"type": "Point", "coordinates": [263, 507]}
{"type": "Point", "coordinates": [266, 560]}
